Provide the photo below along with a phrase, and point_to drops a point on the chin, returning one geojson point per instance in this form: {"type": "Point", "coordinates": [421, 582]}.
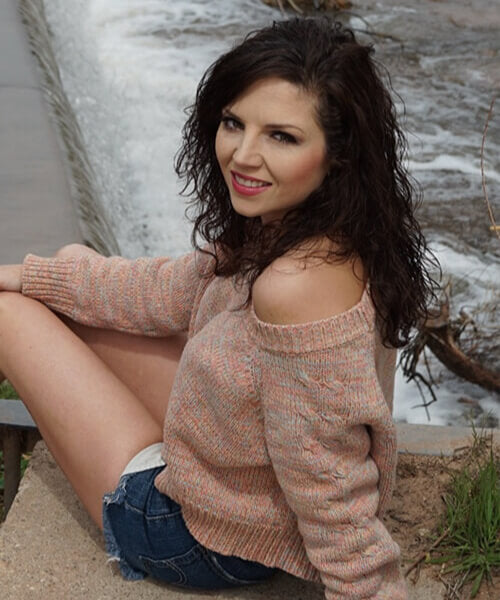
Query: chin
{"type": "Point", "coordinates": [246, 213]}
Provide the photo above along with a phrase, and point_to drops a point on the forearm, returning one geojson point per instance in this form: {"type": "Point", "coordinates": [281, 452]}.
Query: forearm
{"type": "Point", "coordinates": [11, 275]}
{"type": "Point", "coordinates": [144, 296]}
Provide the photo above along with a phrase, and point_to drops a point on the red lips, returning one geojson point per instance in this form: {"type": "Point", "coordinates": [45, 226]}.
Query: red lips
{"type": "Point", "coordinates": [247, 190]}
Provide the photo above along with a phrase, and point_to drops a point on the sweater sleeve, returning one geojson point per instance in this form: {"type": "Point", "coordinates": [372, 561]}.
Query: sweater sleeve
{"type": "Point", "coordinates": [332, 444]}
{"type": "Point", "coordinates": [146, 296]}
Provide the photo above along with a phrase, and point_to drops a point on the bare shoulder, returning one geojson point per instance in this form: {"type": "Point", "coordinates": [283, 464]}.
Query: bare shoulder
{"type": "Point", "coordinates": [291, 290]}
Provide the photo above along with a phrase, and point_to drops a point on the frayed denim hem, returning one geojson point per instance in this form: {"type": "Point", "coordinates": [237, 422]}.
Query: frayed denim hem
{"type": "Point", "coordinates": [112, 548]}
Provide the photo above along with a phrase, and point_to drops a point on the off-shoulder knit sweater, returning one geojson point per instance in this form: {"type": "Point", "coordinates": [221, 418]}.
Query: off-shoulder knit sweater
{"type": "Point", "coordinates": [279, 440]}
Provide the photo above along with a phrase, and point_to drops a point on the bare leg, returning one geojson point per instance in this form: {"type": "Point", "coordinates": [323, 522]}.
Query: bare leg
{"type": "Point", "coordinates": [91, 421]}
{"type": "Point", "coordinates": [146, 365]}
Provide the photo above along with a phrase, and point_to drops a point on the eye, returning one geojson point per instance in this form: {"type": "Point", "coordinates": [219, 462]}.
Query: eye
{"type": "Point", "coordinates": [230, 124]}
{"type": "Point", "coordinates": [283, 138]}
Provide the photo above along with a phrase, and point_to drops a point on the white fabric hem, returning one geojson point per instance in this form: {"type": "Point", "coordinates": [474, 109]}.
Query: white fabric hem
{"type": "Point", "coordinates": [148, 458]}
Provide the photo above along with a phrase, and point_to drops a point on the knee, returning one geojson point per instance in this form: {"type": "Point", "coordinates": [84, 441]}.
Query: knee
{"type": "Point", "coordinates": [10, 301]}
{"type": "Point", "coordinates": [10, 305]}
{"type": "Point", "coordinates": [16, 308]}
{"type": "Point", "coordinates": [73, 250]}
{"type": "Point", "coordinates": [18, 312]}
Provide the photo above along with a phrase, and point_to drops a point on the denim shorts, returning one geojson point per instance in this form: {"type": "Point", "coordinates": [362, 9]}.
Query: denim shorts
{"type": "Point", "coordinates": [145, 532]}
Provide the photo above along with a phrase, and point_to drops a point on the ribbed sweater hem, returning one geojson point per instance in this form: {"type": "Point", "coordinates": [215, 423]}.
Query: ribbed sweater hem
{"type": "Point", "coordinates": [270, 547]}
{"type": "Point", "coordinates": [283, 549]}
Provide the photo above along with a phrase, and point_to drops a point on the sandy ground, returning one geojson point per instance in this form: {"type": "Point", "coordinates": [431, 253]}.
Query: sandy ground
{"type": "Point", "coordinates": [417, 508]}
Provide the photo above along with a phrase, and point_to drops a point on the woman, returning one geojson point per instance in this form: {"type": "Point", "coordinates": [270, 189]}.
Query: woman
{"type": "Point", "coordinates": [266, 356]}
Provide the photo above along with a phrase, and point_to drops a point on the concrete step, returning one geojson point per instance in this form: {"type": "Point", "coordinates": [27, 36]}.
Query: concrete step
{"type": "Point", "coordinates": [50, 549]}
{"type": "Point", "coordinates": [438, 440]}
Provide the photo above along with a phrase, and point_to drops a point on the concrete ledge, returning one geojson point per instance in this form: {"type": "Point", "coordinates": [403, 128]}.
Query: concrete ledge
{"type": "Point", "coordinates": [37, 213]}
{"type": "Point", "coordinates": [50, 549]}
{"type": "Point", "coordinates": [437, 440]}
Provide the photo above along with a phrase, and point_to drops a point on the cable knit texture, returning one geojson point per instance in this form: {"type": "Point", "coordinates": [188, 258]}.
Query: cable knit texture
{"type": "Point", "coordinates": [279, 439]}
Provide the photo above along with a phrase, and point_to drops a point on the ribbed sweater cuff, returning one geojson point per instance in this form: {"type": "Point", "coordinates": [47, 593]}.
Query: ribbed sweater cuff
{"type": "Point", "coordinates": [49, 280]}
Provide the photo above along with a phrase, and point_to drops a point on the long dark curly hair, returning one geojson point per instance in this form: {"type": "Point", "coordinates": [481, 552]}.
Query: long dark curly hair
{"type": "Point", "coordinates": [366, 202]}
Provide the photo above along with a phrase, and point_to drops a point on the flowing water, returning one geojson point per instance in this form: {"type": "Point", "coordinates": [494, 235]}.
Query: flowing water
{"type": "Point", "coordinates": [130, 67]}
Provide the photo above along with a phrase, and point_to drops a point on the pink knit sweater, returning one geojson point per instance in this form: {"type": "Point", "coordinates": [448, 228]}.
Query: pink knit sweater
{"type": "Point", "coordinates": [279, 439]}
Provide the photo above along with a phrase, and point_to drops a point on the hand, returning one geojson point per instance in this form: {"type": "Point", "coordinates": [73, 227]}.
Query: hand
{"type": "Point", "coordinates": [10, 278]}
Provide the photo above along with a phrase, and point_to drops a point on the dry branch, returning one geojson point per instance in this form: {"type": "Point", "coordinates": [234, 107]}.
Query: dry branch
{"type": "Point", "coordinates": [494, 227]}
{"type": "Point", "coordinates": [440, 340]}
{"type": "Point", "coordinates": [441, 335]}
{"type": "Point", "coordinates": [426, 553]}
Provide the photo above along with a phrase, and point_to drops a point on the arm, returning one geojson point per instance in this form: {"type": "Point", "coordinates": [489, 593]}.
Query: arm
{"type": "Point", "coordinates": [331, 441]}
{"type": "Point", "coordinates": [148, 296]}
{"type": "Point", "coordinates": [319, 446]}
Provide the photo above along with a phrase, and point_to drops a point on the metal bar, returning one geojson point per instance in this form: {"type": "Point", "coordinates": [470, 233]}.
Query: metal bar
{"type": "Point", "coordinates": [31, 437]}
{"type": "Point", "coordinates": [12, 466]}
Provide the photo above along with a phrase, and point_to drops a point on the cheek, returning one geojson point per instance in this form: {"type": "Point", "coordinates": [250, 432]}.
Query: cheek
{"type": "Point", "coordinates": [308, 171]}
{"type": "Point", "coordinates": [222, 148]}
{"type": "Point", "coordinates": [218, 148]}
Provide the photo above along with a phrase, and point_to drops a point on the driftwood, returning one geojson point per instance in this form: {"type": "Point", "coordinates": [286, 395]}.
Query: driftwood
{"type": "Point", "coordinates": [441, 335]}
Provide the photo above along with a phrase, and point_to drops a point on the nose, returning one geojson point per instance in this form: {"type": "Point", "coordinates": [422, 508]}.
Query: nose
{"type": "Point", "coordinates": [247, 151]}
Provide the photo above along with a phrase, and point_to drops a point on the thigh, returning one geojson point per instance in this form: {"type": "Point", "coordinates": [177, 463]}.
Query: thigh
{"type": "Point", "coordinates": [91, 421]}
{"type": "Point", "coordinates": [147, 366]}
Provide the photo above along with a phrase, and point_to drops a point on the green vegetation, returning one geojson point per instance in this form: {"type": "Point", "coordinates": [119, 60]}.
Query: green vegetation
{"type": "Point", "coordinates": [7, 392]}
{"type": "Point", "coordinates": [471, 545]}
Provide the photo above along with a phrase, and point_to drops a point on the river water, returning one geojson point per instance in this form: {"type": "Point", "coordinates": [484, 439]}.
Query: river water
{"type": "Point", "coordinates": [130, 67]}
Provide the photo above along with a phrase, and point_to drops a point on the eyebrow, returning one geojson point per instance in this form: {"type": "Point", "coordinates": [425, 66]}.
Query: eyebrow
{"type": "Point", "coordinates": [229, 113]}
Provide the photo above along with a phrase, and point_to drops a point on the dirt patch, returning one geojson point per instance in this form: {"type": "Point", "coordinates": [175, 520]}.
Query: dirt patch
{"type": "Point", "coordinates": [417, 508]}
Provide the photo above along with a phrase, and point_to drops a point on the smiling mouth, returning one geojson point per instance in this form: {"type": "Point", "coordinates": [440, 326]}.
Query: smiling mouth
{"type": "Point", "coordinates": [248, 186]}
{"type": "Point", "coordinates": [249, 182]}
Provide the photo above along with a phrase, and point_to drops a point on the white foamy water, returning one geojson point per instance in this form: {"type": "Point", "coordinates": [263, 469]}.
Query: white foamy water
{"type": "Point", "coordinates": [457, 164]}
{"type": "Point", "coordinates": [130, 67]}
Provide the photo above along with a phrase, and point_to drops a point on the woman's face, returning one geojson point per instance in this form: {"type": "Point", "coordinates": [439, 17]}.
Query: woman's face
{"type": "Point", "coordinates": [270, 148]}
